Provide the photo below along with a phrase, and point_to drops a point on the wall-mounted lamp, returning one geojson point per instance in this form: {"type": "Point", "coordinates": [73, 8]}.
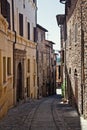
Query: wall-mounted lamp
{"type": "Point", "coordinates": [63, 1]}
{"type": "Point", "coordinates": [68, 2]}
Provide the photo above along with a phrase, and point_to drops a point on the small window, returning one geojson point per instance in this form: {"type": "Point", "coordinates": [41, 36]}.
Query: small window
{"type": "Point", "coordinates": [23, 3]}
{"type": "Point", "coordinates": [8, 15]}
{"type": "Point", "coordinates": [42, 37]}
{"type": "Point", "coordinates": [34, 65]}
{"type": "Point", "coordinates": [9, 66]}
{"type": "Point", "coordinates": [0, 6]}
{"type": "Point", "coordinates": [70, 37]}
{"type": "Point", "coordinates": [28, 86]}
{"type": "Point", "coordinates": [76, 32]}
{"type": "Point", "coordinates": [34, 80]}
{"type": "Point", "coordinates": [21, 24]}
{"type": "Point", "coordinates": [59, 71]}
{"type": "Point", "coordinates": [28, 65]}
{"type": "Point", "coordinates": [34, 1]}
{"type": "Point", "coordinates": [4, 8]}
{"type": "Point", "coordinates": [28, 31]}
{"type": "Point", "coordinates": [69, 70]}
{"type": "Point", "coordinates": [4, 69]}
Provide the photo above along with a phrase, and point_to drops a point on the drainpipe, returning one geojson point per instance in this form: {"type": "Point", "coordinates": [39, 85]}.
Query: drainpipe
{"type": "Point", "coordinates": [37, 51]}
{"type": "Point", "coordinates": [65, 59]}
{"type": "Point", "coordinates": [82, 59]}
{"type": "Point", "coordinates": [13, 49]}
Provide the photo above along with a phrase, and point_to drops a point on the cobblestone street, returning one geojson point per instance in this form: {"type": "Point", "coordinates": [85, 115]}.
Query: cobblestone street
{"type": "Point", "coordinates": [43, 114]}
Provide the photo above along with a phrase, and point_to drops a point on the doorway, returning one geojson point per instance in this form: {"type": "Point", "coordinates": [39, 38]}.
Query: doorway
{"type": "Point", "coordinates": [19, 82]}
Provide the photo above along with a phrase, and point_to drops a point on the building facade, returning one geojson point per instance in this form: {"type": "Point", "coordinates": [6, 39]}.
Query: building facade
{"type": "Point", "coordinates": [25, 66]}
{"type": "Point", "coordinates": [6, 63]}
{"type": "Point", "coordinates": [46, 67]}
{"type": "Point", "coordinates": [41, 61]}
{"type": "Point", "coordinates": [18, 66]}
{"type": "Point", "coordinates": [76, 53]}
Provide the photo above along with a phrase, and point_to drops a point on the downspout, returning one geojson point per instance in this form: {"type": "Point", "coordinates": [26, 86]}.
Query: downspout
{"type": "Point", "coordinates": [13, 49]}
{"type": "Point", "coordinates": [82, 60]}
{"type": "Point", "coordinates": [37, 52]}
{"type": "Point", "coordinates": [65, 59]}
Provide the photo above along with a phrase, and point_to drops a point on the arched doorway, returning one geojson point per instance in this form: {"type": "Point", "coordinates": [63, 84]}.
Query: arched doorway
{"type": "Point", "coordinates": [19, 82]}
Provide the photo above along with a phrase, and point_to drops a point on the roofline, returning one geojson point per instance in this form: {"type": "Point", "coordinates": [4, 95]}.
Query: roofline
{"type": "Point", "coordinates": [42, 28]}
{"type": "Point", "coordinates": [50, 41]}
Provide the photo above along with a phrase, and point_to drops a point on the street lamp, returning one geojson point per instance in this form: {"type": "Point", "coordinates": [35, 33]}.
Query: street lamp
{"type": "Point", "coordinates": [63, 1]}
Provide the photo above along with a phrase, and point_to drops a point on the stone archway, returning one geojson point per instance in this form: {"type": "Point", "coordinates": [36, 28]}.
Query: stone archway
{"type": "Point", "coordinates": [19, 82]}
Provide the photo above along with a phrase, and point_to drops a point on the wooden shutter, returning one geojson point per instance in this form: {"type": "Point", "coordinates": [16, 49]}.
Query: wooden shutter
{"type": "Point", "coordinates": [28, 31]}
{"type": "Point", "coordinates": [21, 24]}
{"type": "Point", "coordinates": [35, 35]}
{"type": "Point", "coordinates": [4, 8]}
{"type": "Point", "coordinates": [8, 14]}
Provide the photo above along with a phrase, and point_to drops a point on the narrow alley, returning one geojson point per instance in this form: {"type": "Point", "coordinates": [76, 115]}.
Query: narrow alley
{"type": "Point", "coordinates": [43, 114]}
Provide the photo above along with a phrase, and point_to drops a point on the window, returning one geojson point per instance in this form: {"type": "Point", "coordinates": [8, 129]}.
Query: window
{"type": "Point", "coordinates": [28, 86]}
{"type": "Point", "coordinates": [34, 1]}
{"type": "Point", "coordinates": [35, 35]}
{"type": "Point", "coordinates": [76, 32]}
{"type": "Point", "coordinates": [34, 66]}
{"type": "Point", "coordinates": [34, 80]}
{"type": "Point", "coordinates": [0, 6]}
{"type": "Point", "coordinates": [4, 69]}
{"type": "Point", "coordinates": [42, 37]}
{"type": "Point", "coordinates": [9, 66]}
{"type": "Point", "coordinates": [69, 70]}
{"type": "Point", "coordinates": [70, 37]}
{"type": "Point", "coordinates": [21, 24]}
{"type": "Point", "coordinates": [23, 3]}
{"type": "Point", "coordinates": [63, 56]}
{"type": "Point", "coordinates": [28, 31]}
{"type": "Point", "coordinates": [42, 57]}
{"type": "Point", "coordinates": [4, 8]}
{"type": "Point", "coordinates": [8, 15]}
{"type": "Point", "coordinates": [28, 65]}
{"type": "Point", "coordinates": [59, 71]}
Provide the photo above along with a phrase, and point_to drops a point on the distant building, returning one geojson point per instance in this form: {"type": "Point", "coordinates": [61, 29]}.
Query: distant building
{"type": "Point", "coordinates": [58, 71]}
{"type": "Point", "coordinates": [45, 64]}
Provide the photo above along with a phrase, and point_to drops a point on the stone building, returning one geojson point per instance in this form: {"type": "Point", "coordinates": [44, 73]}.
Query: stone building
{"type": "Point", "coordinates": [18, 66]}
{"type": "Point", "coordinates": [51, 67]}
{"type": "Point", "coordinates": [58, 71]}
{"type": "Point", "coordinates": [41, 61]}
{"type": "Point", "coordinates": [76, 53]}
{"type": "Point", "coordinates": [45, 63]}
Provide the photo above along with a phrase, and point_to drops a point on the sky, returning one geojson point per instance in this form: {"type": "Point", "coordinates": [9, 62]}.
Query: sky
{"type": "Point", "coordinates": [46, 17]}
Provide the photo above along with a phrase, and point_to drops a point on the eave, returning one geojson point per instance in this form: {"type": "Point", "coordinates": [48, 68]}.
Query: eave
{"type": "Point", "coordinates": [42, 28]}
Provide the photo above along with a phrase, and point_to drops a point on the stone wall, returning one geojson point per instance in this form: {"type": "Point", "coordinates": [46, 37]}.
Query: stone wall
{"type": "Point", "coordinates": [73, 55]}
{"type": "Point", "coordinates": [84, 28]}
